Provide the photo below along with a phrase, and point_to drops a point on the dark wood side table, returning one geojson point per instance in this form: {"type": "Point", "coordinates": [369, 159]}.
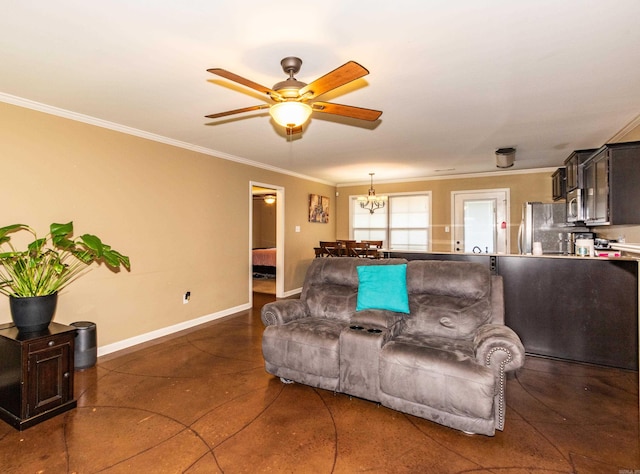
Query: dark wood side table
{"type": "Point", "coordinates": [36, 374]}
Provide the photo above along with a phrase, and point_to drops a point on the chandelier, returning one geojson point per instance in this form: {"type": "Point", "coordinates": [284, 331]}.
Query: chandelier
{"type": "Point", "coordinates": [372, 202]}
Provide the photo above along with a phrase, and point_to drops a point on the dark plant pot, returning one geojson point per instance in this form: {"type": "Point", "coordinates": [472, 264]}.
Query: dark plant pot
{"type": "Point", "coordinates": [33, 313]}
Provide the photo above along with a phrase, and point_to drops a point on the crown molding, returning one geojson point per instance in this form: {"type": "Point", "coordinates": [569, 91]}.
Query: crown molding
{"type": "Point", "coordinates": [486, 174]}
{"type": "Point", "coordinates": [625, 130]}
{"type": "Point", "coordinates": [48, 109]}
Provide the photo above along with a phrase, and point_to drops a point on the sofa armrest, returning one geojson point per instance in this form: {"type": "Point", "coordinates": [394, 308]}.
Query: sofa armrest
{"type": "Point", "coordinates": [283, 311]}
{"type": "Point", "coordinates": [499, 347]}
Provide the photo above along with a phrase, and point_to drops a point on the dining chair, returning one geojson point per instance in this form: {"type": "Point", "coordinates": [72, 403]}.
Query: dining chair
{"type": "Point", "coordinates": [374, 249]}
{"type": "Point", "coordinates": [356, 249]}
{"type": "Point", "coordinates": [330, 249]}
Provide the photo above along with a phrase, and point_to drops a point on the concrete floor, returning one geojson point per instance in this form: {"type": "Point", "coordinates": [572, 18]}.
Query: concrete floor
{"type": "Point", "coordinates": [200, 401]}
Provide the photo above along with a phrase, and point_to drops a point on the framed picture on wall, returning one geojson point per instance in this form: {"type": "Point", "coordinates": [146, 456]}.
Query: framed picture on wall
{"type": "Point", "coordinates": [318, 208]}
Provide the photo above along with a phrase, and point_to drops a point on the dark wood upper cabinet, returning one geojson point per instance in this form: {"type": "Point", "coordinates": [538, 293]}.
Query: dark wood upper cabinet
{"type": "Point", "coordinates": [611, 189]}
{"type": "Point", "coordinates": [572, 165]}
{"type": "Point", "coordinates": [559, 184]}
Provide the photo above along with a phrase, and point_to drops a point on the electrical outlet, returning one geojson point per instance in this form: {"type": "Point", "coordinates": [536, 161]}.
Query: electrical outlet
{"type": "Point", "coordinates": [186, 297]}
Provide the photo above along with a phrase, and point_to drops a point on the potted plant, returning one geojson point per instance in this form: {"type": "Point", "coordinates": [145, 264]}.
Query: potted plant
{"type": "Point", "coordinates": [32, 278]}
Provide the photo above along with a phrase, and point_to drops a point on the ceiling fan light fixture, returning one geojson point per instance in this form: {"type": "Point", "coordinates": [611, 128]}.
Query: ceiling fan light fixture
{"type": "Point", "coordinates": [291, 109]}
{"type": "Point", "coordinates": [290, 114]}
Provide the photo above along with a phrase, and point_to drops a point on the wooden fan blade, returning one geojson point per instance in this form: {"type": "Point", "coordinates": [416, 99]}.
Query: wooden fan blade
{"type": "Point", "coordinates": [338, 77]}
{"type": "Point", "coordinates": [245, 82]}
{"type": "Point", "coordinates": [238, 111]}
{"type": "Point", "coordinates": [346, 111]}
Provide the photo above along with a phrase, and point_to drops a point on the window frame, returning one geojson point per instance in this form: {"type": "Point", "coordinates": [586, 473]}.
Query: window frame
{"type": "Point", "coordinates": [387, 239]}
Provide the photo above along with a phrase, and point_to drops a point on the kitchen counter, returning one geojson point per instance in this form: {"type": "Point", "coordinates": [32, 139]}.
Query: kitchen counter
{"type": "Point", "coordinates": [575, 257]}
{"type": "Point", "coordinates": [409, 255]}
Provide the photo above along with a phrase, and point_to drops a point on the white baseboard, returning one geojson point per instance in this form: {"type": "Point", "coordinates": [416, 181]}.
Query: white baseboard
{"type": "Point", "coordinates": [297, 291]}
{"type": "Point", "coordinates": [132, 341]}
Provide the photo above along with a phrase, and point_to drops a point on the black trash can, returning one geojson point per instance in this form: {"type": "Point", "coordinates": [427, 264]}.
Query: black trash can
{"type": "Point", "coordinates": [86, 351]}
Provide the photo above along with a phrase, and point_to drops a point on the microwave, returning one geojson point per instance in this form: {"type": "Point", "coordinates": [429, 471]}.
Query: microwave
{"type": "Point", "coordinates": [575, 206]}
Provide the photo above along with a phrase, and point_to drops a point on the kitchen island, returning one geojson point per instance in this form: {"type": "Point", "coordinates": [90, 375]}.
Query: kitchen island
{"type": "Point", "coordinates": [566, 307]}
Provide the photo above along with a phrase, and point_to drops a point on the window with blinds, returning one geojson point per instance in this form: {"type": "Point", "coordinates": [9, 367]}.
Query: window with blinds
{"type": "Point", "coordinates": [403, 224]}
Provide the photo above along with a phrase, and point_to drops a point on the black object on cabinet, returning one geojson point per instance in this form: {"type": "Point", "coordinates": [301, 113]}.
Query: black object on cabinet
{"type": "Point", "coordinates": [36, 374]}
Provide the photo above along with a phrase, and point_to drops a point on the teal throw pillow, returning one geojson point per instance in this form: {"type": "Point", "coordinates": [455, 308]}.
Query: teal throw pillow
{"type": "Point", "coordinates": [383, 287]}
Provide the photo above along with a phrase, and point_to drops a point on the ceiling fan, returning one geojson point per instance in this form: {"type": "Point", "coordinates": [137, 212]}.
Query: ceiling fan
{"type": "Point", "coordinates": [295, 100]}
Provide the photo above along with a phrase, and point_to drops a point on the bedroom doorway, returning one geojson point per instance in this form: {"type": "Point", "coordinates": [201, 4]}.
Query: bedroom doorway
{"type": "Point", "coordinates": [266, 239]}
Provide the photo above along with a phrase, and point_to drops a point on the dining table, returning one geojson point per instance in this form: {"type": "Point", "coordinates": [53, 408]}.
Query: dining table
{"type": "Point", "coordinates": [349, 248]}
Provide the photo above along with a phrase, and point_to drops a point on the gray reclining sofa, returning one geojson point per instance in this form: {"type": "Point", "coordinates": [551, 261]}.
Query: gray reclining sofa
{"type": "Point", "coordinates": [423, 337]}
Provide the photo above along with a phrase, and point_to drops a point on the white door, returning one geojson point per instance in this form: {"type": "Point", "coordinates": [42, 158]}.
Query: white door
{"type": "Point", "coordinates": [480, 221]}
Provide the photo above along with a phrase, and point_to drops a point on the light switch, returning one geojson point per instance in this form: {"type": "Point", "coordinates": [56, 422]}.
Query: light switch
{"type": "Point", "coordinates": [446, 228]}
{"type": "Point", "coordinates": [297, 228]}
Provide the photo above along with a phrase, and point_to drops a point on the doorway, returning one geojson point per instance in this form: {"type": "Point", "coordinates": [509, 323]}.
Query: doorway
{"type": "Point", "coordinates": [480, 221]}
{"type": "Point", "coordinates": [266, 239]}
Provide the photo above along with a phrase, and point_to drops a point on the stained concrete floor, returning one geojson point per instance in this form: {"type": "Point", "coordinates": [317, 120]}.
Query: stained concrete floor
{"type": "Point", "coordinates": [201, 402]}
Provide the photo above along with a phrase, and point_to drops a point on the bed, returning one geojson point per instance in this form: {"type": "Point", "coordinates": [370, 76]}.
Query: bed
{"type": "Point", "coordinates": [264, 263]}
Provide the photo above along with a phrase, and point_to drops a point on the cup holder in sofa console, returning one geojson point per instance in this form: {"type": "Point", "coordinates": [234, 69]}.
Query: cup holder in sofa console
{"type": "Point", "coordinates": [370, 330]}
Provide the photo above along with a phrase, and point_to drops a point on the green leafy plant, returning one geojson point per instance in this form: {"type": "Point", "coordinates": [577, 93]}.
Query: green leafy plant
{"type": "Point", "coordinates": [50, 263]}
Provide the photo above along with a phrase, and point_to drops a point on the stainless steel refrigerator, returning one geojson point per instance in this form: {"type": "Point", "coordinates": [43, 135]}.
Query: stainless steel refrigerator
{"type": "Point", "coordinates": [544, 223]}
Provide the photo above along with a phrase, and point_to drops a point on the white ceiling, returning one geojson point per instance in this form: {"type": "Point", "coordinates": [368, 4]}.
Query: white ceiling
{"type": "Point", "coordinates": [455, 79]}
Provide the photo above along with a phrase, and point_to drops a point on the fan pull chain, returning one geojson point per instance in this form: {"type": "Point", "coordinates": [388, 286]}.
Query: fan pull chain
{"type": "Point", "coordinates": [291, 148]}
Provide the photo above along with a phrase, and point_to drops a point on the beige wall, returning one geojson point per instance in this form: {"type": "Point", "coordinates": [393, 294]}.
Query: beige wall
{"type": "Point", "coordinates": [184, 227]}
{"type": "Point", "coordinates": [523, 187]}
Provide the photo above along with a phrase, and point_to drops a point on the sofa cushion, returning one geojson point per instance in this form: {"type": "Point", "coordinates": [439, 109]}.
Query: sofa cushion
{"type": "Point", "coordinates": [446, 316]}
{"type": "Point", "coordinates": [383, 287]}
{"type": "Point", "coordinates": [330, 287]}
{"type": "Point", "coordinates": [333, 271]}
{"type": "Point", "coordinates": [449, 299]}
{"type": "Point", "coordinates": [309, 345]}
{"type": "Point", "coordinates": [447, 278]}
{"type": "Point", "coordinates": [332, 301]}
{"type": "Point", "coordinates": [463, 348]}
{"type": "Point", "coordinates": [449, 381]}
